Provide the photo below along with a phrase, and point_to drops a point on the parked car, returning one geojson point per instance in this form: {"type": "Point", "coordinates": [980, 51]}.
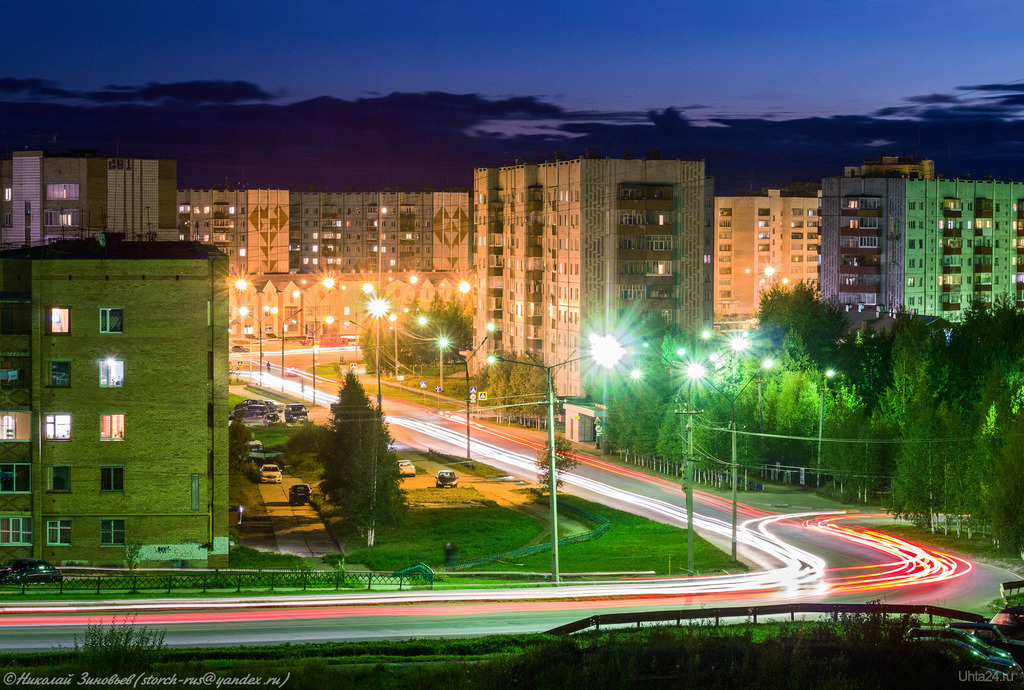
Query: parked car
{"type": "Point", "coordinates": [298, 494]}
{"type": "Point", "coordinates": [251, 410]}
{"type": "Point", "coordinates": [446, 479]}
{"type": "Point", "coordinates": [1010, 622]}
{"type": "Point", "coordinates": [19, 570]}
{"type": "Point", "coordinates": [271, 418]}
{"type": "Point", "coordinates": [239, 348]}
{"type": "Point", "coordinates": [270, 474]}
{"type": "Point", "coordinates": [295, 412]}
{"type": "Point", "coordinates": [986, 655]}
{"type": "Point", "coordinates": [406, 468]}
{"type": "Point", "coordinates": [272, 405]}
{"type": "Point", "coordinates": [990, 634]}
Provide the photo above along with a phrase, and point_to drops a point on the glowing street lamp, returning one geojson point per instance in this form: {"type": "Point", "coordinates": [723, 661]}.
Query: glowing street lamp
{"type": "Point", "coordinates": [442, 345]}
{"type": "Point", "coordinates": [378, 307]}
{"type": "Point", "coordinates": [465, 287]}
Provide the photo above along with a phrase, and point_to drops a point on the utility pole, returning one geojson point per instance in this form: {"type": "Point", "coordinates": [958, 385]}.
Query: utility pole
{"type": "Point", "coordinates": [687, 430]}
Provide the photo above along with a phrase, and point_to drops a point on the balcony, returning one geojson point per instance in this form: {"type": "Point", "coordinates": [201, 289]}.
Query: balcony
{"type": "Point", "coordinates": [951, 232]}
{"type": "Point", "coordinates": [871, 289]}
{"type": "Point", "coordinates": [950, 306]}
{"type": "Point", "coordinates": [983, 288]}
{"type": "Point", "coordinates": [951, 288]}
{"type": "Point", "coordinates": [983, 250]}
{"type": "Point", "coordinates": [951, 250]}
{"type": "Point", "coordinates": [950, 269]}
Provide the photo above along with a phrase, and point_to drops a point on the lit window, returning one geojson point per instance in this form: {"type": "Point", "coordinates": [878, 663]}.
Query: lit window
{"type": "Point", "coordinates": [60, 318]}
{"type": "Point", "coordinates": [60, 374]}
{"type": "Point", "coordinates": [61, 191]}
{"type": "Point", "coordinates": [231, 209]}
{"type": "Point", "coordinates": [241, 251]}
{"type": "Point", "coordinates": [112, 427]}
{"type": "Point", "coordinates": [16, 478]}
{"type": "Point", "coordinates": [111, 373]}
{"type": "Point", "coordinates": [58, 427]}
{"type": "Point", "coordinates": [111, 320]}
{"type": "Point", "coordinates": [58, 532]}
{"type": "Point", "coordinates": [15, 530]}
{"type": "Point", "coordinates": [111, 532]}
{"type": "Point", "coordinates": [112, 479]}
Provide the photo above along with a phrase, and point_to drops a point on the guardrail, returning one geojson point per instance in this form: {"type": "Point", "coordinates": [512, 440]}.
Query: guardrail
{"type": "Point", "coordinates": [603, 526]}
{"type": "Point", "coordinates": [227, 580]}
{"type": "Point", "coordinates": [1008, 589]}
{"type": "Point", "coordinates": [752, 612]}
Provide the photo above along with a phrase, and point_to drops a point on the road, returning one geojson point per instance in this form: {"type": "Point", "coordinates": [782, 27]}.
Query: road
{"type": "Point", "coordinates": [812, 554]}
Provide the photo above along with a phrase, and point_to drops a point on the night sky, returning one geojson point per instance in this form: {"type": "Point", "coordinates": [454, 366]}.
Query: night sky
{"type": "Point", "coordinates": [340, 95]}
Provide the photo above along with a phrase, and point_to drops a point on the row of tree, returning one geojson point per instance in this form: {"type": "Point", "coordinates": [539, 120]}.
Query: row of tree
{"type": "Point", "coordinates": [927, 416]}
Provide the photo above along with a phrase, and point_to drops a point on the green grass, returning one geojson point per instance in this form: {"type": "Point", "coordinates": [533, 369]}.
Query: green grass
{"type": "Point", "coordinates": [476, 531]}
{"type": "Point", "coordinates": [978, 547]}
{"type": "Point", "coordinates": [274, 437]}
{"type": "Point", "coordinates": [244, 557]}
{"type": "Point", "coordinates": [632, 543]}
{"type": "Point", "coordinates": [461, 494]}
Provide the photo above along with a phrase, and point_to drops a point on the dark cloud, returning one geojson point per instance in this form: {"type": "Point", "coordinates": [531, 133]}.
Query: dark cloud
{"type": "Point", "coordinates": [233, 132]}
{"type": "Point", "coordinates": [1010, 86]}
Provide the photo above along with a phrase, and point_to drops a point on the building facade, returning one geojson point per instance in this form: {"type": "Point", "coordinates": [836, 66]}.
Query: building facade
{"type": "Point", "coordinates": [48, 197]}
{"type": "Point", "coordinates": [571, 248]}
{"type": "Point", "coordinates": [762, 239]}
{"type": "Point", "coordinates": [113, 383]}
{"type": "Point", "coordinates": [932, 247]}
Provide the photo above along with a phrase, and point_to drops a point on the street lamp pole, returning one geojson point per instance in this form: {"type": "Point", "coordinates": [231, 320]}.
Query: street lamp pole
{"type": "Point", "coordinates": [821, 423]}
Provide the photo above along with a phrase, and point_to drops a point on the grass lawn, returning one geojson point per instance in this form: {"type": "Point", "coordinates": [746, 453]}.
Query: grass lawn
{"type": "Point", "coordinates": [421, 537]}
{"type": "Point", "coordinates": [632, 543]}
{"type": "Point", "coordinates": [978, 547]}
{"type": "Point", "coordinates": [244, 557]}
{"type": "Point", "coordinates": [274, 437]}
{"type": "Point", "coordinates": [242, 491]}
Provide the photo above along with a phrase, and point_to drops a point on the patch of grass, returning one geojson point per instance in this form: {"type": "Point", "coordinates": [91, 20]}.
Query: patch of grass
{"type": "Point", "coordinates": [234, 400]}
{"type": "Point", "coordinates": [274, 437]}
{"type": "Point", "coordinates": [632, 543]}
{"type": "Point", "coordinates": [245, 557]}
{"type": "Point", "coordinates": [421, 536]}
{"type": "Point", "coordinates": [461, 494]}
{"type": "Point", "coordinates": [242, 491]}
{"type": "Point", "coordinates": [415, 396]}
{"type": "Point", "coordinates": [978, 546]}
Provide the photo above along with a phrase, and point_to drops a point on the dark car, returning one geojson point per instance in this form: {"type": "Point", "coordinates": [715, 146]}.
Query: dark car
{"type": "Point", "coordinates": [298, 494]}
{"type": "Point", "coordinates": [239, 348]}
{"type": "Point", "coordinates": [271, 418]}
{"type": "Point", "coordinates": [1010, 622]}
{"type": "Point", "coordinates": [250, 410]}
{"type": "Point", "coordinates": [446, 479]}
{"type": "Point", "coordinates": [294, 412]}
{"type": "Point", "coordinates": [991, 634]}
{"type": "Point", "coordinates": [19, 570]}
{"type": "Point", "coordinates": [988, 656]}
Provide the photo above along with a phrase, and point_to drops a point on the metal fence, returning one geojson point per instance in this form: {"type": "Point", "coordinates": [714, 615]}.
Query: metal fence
{"type": "Point", "coordinates": [752, 612]}
{"type": "Point", "coordinates": [603, 526]}
{"type": "Point", "coordinates": [410, 578]}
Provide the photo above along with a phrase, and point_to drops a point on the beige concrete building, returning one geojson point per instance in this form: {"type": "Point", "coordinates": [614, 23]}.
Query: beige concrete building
{"type": "Point", "coordinates": [762, 239]}
{"type": "Point", "coordinates": [571, 248]}
{"type": "Point", "coordinates": [114, 387]}
{"type": "Point", "coordinates": [48, 197]}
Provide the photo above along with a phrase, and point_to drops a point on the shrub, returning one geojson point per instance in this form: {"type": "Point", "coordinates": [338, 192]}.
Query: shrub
{"type": "Point", "coordinates": [120, 647]}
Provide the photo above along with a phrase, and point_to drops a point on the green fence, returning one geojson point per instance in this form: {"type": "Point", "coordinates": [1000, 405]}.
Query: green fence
{"type": "Point", "coordinates": [603, 526]}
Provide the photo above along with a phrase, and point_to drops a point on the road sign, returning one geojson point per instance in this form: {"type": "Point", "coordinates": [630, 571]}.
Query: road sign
{"type": "Point", "coordinates": [437, 389]}
{"type": "Point", "coordinates": [400, 377]}
{"type": "Point", "coordinates": [472, 390]}
{"type": "Point", "coordinates": [472, 397]}
{"type": "Point", "coordinates": [423, 384]}
{"type": "Point", "coordinates": [483, 395]}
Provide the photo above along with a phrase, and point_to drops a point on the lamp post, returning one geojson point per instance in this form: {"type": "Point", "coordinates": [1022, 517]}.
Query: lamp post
{"type": "Point", "coordinates": [698, 372]}
{"type": "Point", "coordinates": [606, 351]}
{"type": "Point", "coordinates": [821, 423]}
{"type": "Point", "coordinates": [378, 307]}
{"type": "Point", "coordinates": [284, 326]}
{"type": "Point", "coordinates": [393, 317]}
{"type": "Point", "coordinates": [243, 312]}
{"type": "Point", "coordinates": [442, 345]}
{"type": "Point", "coordinates": [328, 320]}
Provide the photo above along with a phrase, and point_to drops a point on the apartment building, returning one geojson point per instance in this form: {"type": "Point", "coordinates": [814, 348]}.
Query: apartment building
{"type": "Point", "coordinates": [762, 239]}
{"type": "Point", "coordinates": [569, 248]}
{"type": "Point", "coordinates": [113, 378]}
{"type": "Point", "coordinates": [400, 231]}
{"type": "Point", "coordinates": [53, 196]}
{"type": "Point", "coordinates": [251, 226]}
{"type": "Point", "coordinates": [932, 247]}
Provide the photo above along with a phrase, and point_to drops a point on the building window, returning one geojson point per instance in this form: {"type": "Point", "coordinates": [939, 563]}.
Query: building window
{"type": "Point", "coordinates": [60, 374]}
{"type": "Point", "coordinates": [112, 427]}
{"type": "Point", "coordinates": [58, 532]}
{"type": "Point", "coordinates": [16, 478]}
{"type": "Point", "coordinates": [15, 426]}
{"type": "Point", "coordinates": [61, 190]}
{"type": "Point", "coordinates": [59, 321]}
{"type": "Point", "coordinates": [111, 532]}
{"type": "Point", "coordinates": [111, 373]}
{"type": "Point", "coordinates": [58, 478]}
{"type": "Point", "coordinates": [58, 427]}
{"type": "Point", "coordinates": [15, 530]}
{"type": "Point", "coordinates": [112, 479]}
{"type": "Point", "coordinates": [111, 320]}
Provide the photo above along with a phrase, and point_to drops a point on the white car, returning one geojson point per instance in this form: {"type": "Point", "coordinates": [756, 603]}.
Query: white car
{"type": "Point", "coordinates": [406, 468]}
{"type": "Point", "coordinates": [270, 474]}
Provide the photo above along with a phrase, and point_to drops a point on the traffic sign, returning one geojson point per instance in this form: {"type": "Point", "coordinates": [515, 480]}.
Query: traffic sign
{"type": "Point", "coordinates": [472, 397]}
{"type": "Point", "coordinates": [472, 390]}
{"type": "Point", "coordinates": [423, 384]}
{"type": "Point", "coordinates": [437, 389]}
{"type": "Point", "coordinates": [483, 396]}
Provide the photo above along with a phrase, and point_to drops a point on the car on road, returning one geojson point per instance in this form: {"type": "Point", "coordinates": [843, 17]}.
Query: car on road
{"type": "Point", "coordinates": [446, 479]}
{"type": "Point", "coordinates": [295, 412]}
{"type": "Point", "coordinates": [1010, 621]}
{"type": "Point", "coordinates": [986, 655]}
{"type": "Point", "coordinates": [991, 635]}
{"type": "Point", "coordinates": [271, 418]}
{"type": "Point", "coordinates": [21, 570]}
{"type": "Point", "coordinates": [298, 494]}
{"type": "Point", "coordinates": [406, 468]}
{"type": "Point", "coordinates": [270, 474]}
{"type": "Point", "coordinates": [272, 405]}
{"type": "Point", "coordinates": [239, 348]}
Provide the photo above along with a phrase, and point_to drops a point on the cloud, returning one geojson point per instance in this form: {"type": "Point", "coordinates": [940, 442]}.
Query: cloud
{"type": "Point", "coordinates": [184, 92]}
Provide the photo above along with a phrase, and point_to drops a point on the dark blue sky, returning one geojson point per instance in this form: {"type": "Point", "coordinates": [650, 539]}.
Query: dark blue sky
{"type": "Point", "coordinates": [415, 94]}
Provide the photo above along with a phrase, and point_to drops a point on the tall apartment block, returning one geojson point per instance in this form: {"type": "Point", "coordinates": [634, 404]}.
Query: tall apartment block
{"type": "Point", "coordinates": [251, 226]}
{"type": "Point", "coordinates": [930, 246]}
{"type": "Point", "coordinates": [573, 247]}
{"type": "Point", "coordinates": [48, 197]}
{"type": "Point", "coordinates": [113, 402]}
{"type": "Point", "coordinates": [763, 239]}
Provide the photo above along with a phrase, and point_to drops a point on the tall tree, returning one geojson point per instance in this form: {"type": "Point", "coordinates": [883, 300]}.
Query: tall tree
{"type": "Point", "coordinates": [239, 435]}
{"type": "Point", "coordinates": [360, 473]}
{"type": "Point", "coordinates": [795, 314]}
{"type": "Point", "coordinates": [564, 462]}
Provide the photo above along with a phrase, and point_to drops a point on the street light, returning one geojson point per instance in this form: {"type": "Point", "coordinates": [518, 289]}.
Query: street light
{"type": "Point", "coordinates": [467, 355]}
{"type": "Point", "coordinates": [243, 312]}
{"type": "Point", "coordinates": [699, 373]}
{"type": "Point", "coordinates": [821, 422]}
{"type": "Point", "coordinates": [442, 345]}
{"type": "Point", "coordinates": [378, 307]}
{"type": "Point", "coordinates": [328, 320]}
{"type": "Point", "coordinates": [606, 352]}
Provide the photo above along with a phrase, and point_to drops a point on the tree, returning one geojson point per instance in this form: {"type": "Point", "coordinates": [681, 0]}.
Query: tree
{"type": "Point", "coordinates": [795, 315]}
{"type": "Point", "coordinates": [360, 474]}
{"type": "Point", "coordinates": [564, 462]}
{"type": "Point", "coordinates": [239, 435]}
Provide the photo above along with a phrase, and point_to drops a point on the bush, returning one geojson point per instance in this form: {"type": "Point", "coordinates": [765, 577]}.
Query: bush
{"type": "Point", "coordinates": [252, 472]}
{"type": "Point", "coordinates": [120, 647]}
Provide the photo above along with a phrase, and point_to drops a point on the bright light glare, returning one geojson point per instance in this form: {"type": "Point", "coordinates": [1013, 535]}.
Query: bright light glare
{"type": "Point", "coordinates": [442, 342]}
{"type": "Point", "coordinates": [696, 371]}
{"type": "Point", "coordinates": [739, 344]}
{"type": "Point", "coordinates": [241, 284]}
{"type": "Point", "coordinates": [378, 307]}
{"type": "Point", "coordinates": [327, 282]}
{"type": "Point", "coordinates": [465, 287]}
{"type": "Point", "coordinates": [681, 351]}
{"type": "Point", "coordinates": [769, 271]}
{"type": "Point", "coordinates": [243, 311]}
{"type": "Point", "coordinates": [392, 317]}
{"type": "Point", "coordinates": [422, 321]}
{"type": "Point", "coordinates": [329, 319]}
{"type": "Point", "coordinates": [714, 357]}
{"type": "Point", "coordinates": [491, 359]}
{"type": "Point", "coordinates": [705, 334]}
{"type": "Point", "coordinates": [830, 373]}
{"type": "Point", "coordinates": [605, 350]}
{"type": "Point", "coordinates": [490, 327]}
{"type": "Point", "coordinates": [768, 363]}
{"type": "Point", "coordinates": [413, 279]}
{"type": "Point", "coordinates": [368, 288]}
{"type": "Point", "coordinates": [636, 374]}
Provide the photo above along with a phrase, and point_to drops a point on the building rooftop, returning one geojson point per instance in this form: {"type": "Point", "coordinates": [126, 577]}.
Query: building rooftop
{"type": "Point", "coordinates": [114, 246]}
